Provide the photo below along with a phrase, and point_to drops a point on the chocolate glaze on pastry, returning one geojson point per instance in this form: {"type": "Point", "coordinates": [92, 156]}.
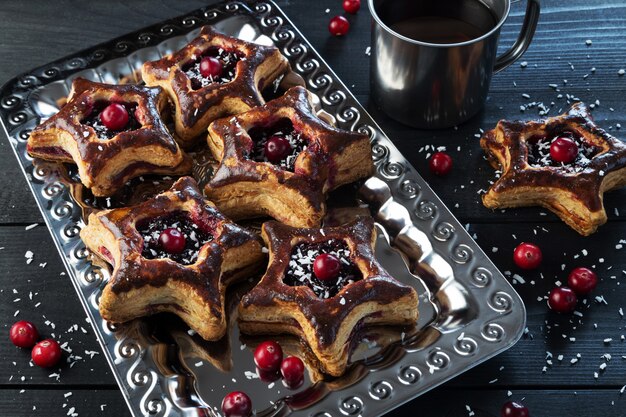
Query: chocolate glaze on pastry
{"type": "Point", "coordinates": [530, 177]}
{"type": "Point", "coordinates": [191, 286]}
{"type": "Point", "coordinates": [278, 305]}
{"type": "Point", "coordinates": [246, 184]}
{"type": "Point", "coordinates": [107, 159]}
{"type": "Point", "coordinates": [247, 69]}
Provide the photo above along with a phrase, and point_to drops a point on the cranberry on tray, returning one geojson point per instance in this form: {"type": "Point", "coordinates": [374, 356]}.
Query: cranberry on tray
{"type": "Point", "coordinates": [237, 404]}
{"type": "Point", "coordinates": [268, 356]}
{"type": "Point", "coordinates": [292, 370]}
{"type": "Point", "coordinates": [351, 6]}
{"type": "Point", "coordinates": [24, 334]}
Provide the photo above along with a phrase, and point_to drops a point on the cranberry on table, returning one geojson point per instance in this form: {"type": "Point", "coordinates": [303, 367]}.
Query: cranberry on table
{"type": "Point", "coordinates": [562, 300]}
{"type": "Point", "coordinates": [351, 6]}
{"type": "Point", "coordinates": [114, 116]}
{"type": "Point", "coordinates": [582, 280]}
{"type": "Point", "coordinates": [268, 356]}
{"type": "Point", "coordinates": [527, 256]}
{"type": "Point", "coordinates": [172, 240]}
{"type": "Point", "coordinates": [237, 404]}
{"type": "Point", "coordinates": [277, 148]}
{"type": "Point", "coordinates": [563, 149]}
{"type": "Point", "coordinates": [24, 334]}
{"type": "Point", "coordinates": [210, 67]}
{"type": "Point", "coordinates": [514, 409]}
{"type": "Point", "coordinates": [339, 26]}
{"type": "Point", "coordinates": [46, 353]}
{"type": "Point", "coordinates": [292, 370]}
{"type": "Point", "coordinates": [326, 266]}
{"type": "Point", "coordinates": [440, 163]}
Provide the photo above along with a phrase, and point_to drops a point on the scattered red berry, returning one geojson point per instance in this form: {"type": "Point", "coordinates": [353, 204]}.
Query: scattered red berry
{"type": "Point", "coordinates": [339, 26]}
{"type": "Point", "coordinates": [527, 256]}
{"type": "Point", "coordinates": [46, 353]}
{"type": "Point", "coordinates": [582, 280]}
{"type": "Point", "coordinates": [326, 267]}
{"type": "Point", "coordinates": [237, 404]}
{"type": "Point", "coordinates": [351, 6]}
{"type": "Point", "coordinates": [563, 149]}
{"type": "Point", "coordinates": [277, 148]}
{"type": "Point", "coordinates": [24, 334]}
{"type": "Point", "coordinates": [210, 67]}
{"type": "Point", "coordinates": [172, 240]}
{"type": "Point", "coordinates": [514, 409]}
{"type": "Point", "coordinates": [114, 116]}
{"type": "Point", "coordinates": [562, 300]}
{"type": "Point", "coordinates": [292, 370]}
{"type": "Point", "coordinates": [268, 356]}
{"type": "Point", "coordinates": [440, 163]}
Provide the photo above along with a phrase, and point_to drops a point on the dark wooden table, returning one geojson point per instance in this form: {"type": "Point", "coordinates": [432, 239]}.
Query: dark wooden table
{"type": "Point", "coordinates": [556, 367]}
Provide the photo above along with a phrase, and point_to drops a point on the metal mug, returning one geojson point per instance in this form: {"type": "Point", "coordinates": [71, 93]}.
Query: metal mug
{"type": "Point", "coordinates": [434, 86]}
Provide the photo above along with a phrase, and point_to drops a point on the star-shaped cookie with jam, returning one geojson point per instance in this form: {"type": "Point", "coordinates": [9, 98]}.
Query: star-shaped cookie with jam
{"type": "Point", "coordinates": [172, 253]}
{"type": "Point", "coordinates": [112, 133]}
{"type": "Point", "coordinates": [563, 163]}
{"type": "Point", "coordinates": [280, 159]}
{"type": "Point", "coordinates": [213, 76]}
{"type": "Point", "coordinates": [323, 285]}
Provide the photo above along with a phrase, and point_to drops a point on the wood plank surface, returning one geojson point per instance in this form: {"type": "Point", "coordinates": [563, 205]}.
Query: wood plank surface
{"type": "Point", "coordinates": [538, 369]}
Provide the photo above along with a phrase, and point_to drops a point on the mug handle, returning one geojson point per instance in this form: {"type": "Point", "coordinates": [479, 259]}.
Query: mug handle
{"type": "Point", "coordinates": [525, 37]}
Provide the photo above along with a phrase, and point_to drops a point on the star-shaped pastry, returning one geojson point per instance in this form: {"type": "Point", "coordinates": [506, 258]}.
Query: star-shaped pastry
{"type": "Point", "coordinates": [323, 285]}
{"type": "Point", "coordinates": [213, 76]}
{"type": "Point", "coordinates": [280, 159]}
{"type": "Point", "coordinates": [138, 142]}
{"type": "Point", "coordinates": [562, 163]}
{"type": "Point", "coordinates": [176, 253]}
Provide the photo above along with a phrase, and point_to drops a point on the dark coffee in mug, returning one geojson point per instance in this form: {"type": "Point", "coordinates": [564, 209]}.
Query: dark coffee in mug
{"type": "Point", "coordinates": [440, 21]}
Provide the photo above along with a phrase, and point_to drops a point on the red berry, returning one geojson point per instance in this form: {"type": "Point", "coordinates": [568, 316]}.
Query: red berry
{"type": "Point", "coordinates": [277, 148]}
{"type": "Point", "coordinates": [237, 404]}
{"type": "Point", "coordinates": [292, 370]}
{"type": "Point", "coordinates": [582, 280]}
{"type": "Point", "coordinates": [351, 6]}
{"type": "Point", "coordinates": [563, 149]}
{"type": "Point", "coordinates": [268, 356]}
{"type": "Point", "coordinates": [172, 240]}
{"type": "Point", "coordinates": [339, 26]}
{"type": "Point", "coordinates": [326, 266]}
{"type": "Point", "coordinates": [210, 67]}
{"type": "Point", "coordinates": [440, 163]}
{"type": "Point", "coordinates": [514, 409]}
{"type": "Point", "coordinates": [527, 256]}
{"type": "Point", "coordinates": [114, 116]}
{"type": "Point", "coordinates": [24, 334]}
{"type": "Point", "coordinates": [46, 353]}
{"type": "Point", "coordinates": [562, 300]}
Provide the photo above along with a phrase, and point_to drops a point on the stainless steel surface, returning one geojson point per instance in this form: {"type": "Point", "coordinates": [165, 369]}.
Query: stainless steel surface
{"type": "Point", "coordinates": [434, 86]}
{"type": "Point", "coordinates": [468, 311]}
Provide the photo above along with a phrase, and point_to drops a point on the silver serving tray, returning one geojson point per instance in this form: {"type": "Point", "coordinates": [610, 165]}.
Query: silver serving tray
{"type": "Point", "coordinates": [468, 310]}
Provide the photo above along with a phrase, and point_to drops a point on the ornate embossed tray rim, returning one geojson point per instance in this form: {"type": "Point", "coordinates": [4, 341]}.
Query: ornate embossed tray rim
{"type": "Point", "coordinates": [402, 201]}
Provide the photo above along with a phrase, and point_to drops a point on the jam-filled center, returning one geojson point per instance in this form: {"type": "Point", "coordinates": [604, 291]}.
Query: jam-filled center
{"type": "Point", "coordinates": [279, 144]}
{"type": "Point", "coordinates": [565, 150]}
{"type": "Point", "coordinates": [108, 119]}
{"type": "Point", "coordinates": [174, 236]}
{"type": "Point", "coordinates": [307, 259]}
{"type": "Point", "coordinates": [214, 66]}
